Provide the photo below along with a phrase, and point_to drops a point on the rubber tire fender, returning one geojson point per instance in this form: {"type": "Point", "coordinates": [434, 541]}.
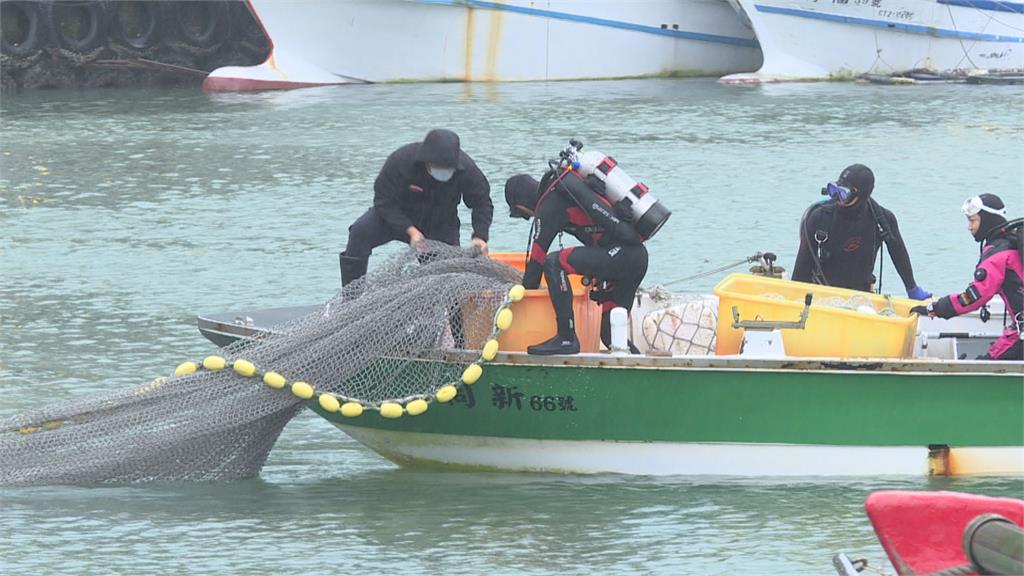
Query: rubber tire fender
{"type": "Point", "coordinates": [216, 25]}
{"type": "Point", "coordinates": [148, 34]}
{"type": "Point", "coordinates": [36, 35]}
{"type": "Point", "coordinates": [94, 18]}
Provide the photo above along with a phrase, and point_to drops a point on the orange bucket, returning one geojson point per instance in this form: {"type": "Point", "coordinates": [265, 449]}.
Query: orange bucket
{"type": "Point", "coordinates": [533, 318]}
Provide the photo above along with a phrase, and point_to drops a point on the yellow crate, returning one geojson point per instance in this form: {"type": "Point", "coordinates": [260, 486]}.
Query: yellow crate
{"type": "Point", "coordinates": [829, 332]}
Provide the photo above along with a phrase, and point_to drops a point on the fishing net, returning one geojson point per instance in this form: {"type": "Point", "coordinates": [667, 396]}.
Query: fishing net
{"type": "Point", "coordinates": [382, 344]}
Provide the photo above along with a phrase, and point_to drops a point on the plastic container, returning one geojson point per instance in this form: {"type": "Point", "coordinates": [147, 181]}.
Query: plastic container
{"type": "Point", "coordinates": [533, 318]}
{"type": "Point", "coordinates": [829, 332]}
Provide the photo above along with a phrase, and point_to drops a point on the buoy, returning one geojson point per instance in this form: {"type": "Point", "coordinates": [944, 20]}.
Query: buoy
{"type": "Point", "coordinates": [490, 350]}
{"type": "Point", "coordinates": [446, 393]}
{"type": "Point", "coordinates": [504, 319]}
{"type": "Point", "coordinates": [391, 410]}
{"type": "Point", "coordinates": [329, 403]}
{"type": "Point", "coordinates": [302, 390]}
{"type": "Point", "coordinates": [351, 409]}
{"type": "Point", "coordinates": [244, 367]}
{"type": "Point", "coordinates": [472, 373]}
{"type": "Point", "coordinates": [516, 293]}
{"type": "Point", "coordinates": [214, 363]}
{"type": "Point", "coordinates": [416, 407]}
{"type": "Point", "coordinates": [186, 368]}
{"type": "Point", "coordinates": [274, 380]}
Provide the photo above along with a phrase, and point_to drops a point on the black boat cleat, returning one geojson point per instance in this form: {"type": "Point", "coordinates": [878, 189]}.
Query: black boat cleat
{"type": "Point", "coordinates": [556, 345]}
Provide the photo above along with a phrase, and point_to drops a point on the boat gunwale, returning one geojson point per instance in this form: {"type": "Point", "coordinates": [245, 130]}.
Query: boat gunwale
{"type": "Point", "coordinates": [740, 363]}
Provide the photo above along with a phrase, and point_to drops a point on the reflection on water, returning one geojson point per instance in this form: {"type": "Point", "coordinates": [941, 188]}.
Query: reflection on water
{"type": "Point", "coordinates": [123, 213]}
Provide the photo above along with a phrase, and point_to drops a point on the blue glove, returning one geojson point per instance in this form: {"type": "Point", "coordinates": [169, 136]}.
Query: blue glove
{"type": "Point", "coordinates": [918, 293]}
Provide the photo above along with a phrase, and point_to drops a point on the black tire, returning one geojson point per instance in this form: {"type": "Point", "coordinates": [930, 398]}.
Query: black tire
{"type": "Point", "coordinates": [22, 28]}
{"type": "Point", "coordinates": [198, 23]}
{"type": "Point", "coordinates": [78, 25]}
{"type": "Point", "coordinates": [135, 25]}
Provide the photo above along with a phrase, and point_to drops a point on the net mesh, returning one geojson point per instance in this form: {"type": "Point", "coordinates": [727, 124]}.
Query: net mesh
{"type": "Point", "coordinates": [382, 339]}
{"type": "Point", "coordinates": [686, 326]}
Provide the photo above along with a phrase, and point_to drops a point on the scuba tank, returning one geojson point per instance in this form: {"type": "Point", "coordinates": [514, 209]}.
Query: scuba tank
{"type": "Point", "coordinates": [649, 215]}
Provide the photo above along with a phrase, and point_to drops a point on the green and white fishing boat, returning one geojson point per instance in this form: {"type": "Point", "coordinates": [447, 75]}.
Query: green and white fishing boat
{"type": "Point", "coordinates": [916, 410]}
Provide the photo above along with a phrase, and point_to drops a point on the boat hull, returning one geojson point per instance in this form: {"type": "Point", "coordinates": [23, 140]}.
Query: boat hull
{"type": "Point", "coordinates": [717, 417]}
{"type": "Point", "coordinates": [317, 43]}
{"type": "Point", "coordinates": [812, 40]}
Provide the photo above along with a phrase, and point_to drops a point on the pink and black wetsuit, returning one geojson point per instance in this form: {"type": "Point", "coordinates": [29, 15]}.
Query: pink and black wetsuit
{"type": "Point", "coordinates": [999, 271]}
{"type": "Point", "coordinates": [612, 249]}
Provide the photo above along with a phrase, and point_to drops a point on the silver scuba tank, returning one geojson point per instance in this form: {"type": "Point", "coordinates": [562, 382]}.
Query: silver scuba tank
{"type": "Point", "coordinates": [649, 215]}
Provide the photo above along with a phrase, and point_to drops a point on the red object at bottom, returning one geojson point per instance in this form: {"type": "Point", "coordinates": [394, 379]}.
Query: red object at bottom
{"type": "Point", "coordinates": [922, 532]}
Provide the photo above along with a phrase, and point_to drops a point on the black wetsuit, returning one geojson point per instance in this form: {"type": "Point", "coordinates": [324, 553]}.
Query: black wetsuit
{"type": "Point", "coordinates": [612, 253]}
{"type": "Point", "coordinates": [850, 240]}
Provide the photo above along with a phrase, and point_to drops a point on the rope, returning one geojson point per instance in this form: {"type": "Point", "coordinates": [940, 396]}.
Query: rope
{"type": "Point", "coordinates": [747, 260]}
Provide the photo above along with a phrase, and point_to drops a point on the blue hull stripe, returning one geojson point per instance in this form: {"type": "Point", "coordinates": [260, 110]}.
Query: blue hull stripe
{"type": "Point", "coordinates": [993, 5]}
{"type": "Point", "coordinates": [911, 28]}
{"type": "Point", "coordinates": [735, 41]}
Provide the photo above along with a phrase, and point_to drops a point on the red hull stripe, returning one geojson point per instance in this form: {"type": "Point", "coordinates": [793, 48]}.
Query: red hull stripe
{"type": "Point", "coordinates": [220, 84]}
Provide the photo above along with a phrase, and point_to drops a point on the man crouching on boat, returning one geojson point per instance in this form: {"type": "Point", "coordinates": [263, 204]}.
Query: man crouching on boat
{"type": "Point", "coordinates": [999, 271]}
{"type": "Point", "coordinates": [613, 253]}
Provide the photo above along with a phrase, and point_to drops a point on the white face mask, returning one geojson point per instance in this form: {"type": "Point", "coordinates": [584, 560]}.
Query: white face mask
{"type": "Point", "coordinates": [440, 174]}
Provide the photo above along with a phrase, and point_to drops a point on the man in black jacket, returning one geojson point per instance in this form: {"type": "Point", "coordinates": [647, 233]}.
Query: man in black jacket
{"type": "Point", "coordinates": [416, 197]}
{"type": "Point", "coordinates": [840, 238]}
{"type": "Point", "coordinates": [613, 252]}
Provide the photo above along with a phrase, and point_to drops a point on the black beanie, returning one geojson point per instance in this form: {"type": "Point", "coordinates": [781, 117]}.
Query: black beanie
{"type": "Point", "coordinates": [524, 190]}
{"type": "Point", "coordinates": [989, 221]}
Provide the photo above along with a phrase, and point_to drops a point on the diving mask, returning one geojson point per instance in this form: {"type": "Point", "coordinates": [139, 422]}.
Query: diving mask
{"type": "Point", "coordinates": [837, 192]}
{"type": "Point", "coordinates": [975, 204]}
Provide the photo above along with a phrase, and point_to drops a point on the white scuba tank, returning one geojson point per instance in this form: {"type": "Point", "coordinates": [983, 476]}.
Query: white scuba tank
{"type": "Point", "coordinates": [649, 215]}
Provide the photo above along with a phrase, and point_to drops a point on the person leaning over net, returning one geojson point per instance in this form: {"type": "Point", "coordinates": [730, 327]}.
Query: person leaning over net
{"type": "Point", "coordinates": [416, 197]}
{"type": "Point", "coordinates": [841, 237]}
{"type": "Point", "coordinates": [999, 271]}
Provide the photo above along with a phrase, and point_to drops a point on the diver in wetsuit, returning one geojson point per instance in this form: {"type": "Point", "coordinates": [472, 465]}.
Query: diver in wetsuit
{"type": "Point", "coordinates": [999, 271]}
{"type": "Point", "coordinates": [840, 238]}
{"type": "Point", "coordinates": [613, 253]}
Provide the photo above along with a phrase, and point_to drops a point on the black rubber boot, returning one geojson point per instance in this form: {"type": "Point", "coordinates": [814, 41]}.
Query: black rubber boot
{"type": "Point", "coordinates": [556, 345]}
{"type": "Point", "coordinates": [352, 269]}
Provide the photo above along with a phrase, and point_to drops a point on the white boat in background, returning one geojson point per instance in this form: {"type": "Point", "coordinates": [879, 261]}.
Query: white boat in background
{"type": "Point", "coordinates": [316, 42]}
{"type": "Point", "coordinates": [840, 39]}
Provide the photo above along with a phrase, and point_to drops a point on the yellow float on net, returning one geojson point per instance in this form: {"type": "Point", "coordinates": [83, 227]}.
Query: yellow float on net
{"type": "Point", "coordinates": [214, 363]}
{"type": "Point", "coordinates": [446, 393]}
{"type": "Point", "coordinates": [391, 410]}
{"type": "Point", "coordinates": [490, 350]}
{"type": "Point", "coordinates": [302, 390]}
{"type": "Point", "coordinates": [244, 367]}
{"type": "Point", "coordinates": [504, 319]}
{"type": "Point", "coordinates": [472, 373]}
{"type": "Point", "coordinates": [416, 407]}
{"type": "Point", "coordinates": [329, 403]}
{"type": "Point", "coordinates": [516, 293]}
{"type": "Point", "coordinates": [186, 368]}
{"type": "Point", "coordinates": [274, 380]}
{"type": "Point", "coordinates": [351, 409]}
